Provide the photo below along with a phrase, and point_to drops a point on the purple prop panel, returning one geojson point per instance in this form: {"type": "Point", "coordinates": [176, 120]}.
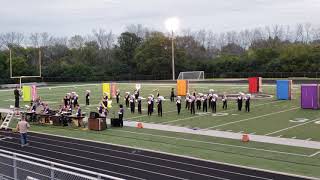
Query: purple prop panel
{"type": "Point", "coordinates": [309, 96]}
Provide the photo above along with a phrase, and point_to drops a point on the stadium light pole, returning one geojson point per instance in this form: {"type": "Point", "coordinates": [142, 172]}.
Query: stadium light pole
{"type": "Point", "coordinates": [172, 25]}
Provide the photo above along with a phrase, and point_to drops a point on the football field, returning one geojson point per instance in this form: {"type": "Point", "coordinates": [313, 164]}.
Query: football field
{"type": "Point", "coordinates": [268, 117]}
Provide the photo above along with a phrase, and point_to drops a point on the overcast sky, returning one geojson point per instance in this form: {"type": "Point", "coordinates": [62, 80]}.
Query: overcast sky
{"type": "Point", "coordinates": [69, 17]}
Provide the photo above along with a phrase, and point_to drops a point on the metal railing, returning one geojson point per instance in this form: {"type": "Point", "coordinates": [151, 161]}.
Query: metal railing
{"type": "Point", "coordinates": [14, 166]}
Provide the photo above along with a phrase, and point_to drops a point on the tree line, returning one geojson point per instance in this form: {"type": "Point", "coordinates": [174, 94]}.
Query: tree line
{"type": "Point", "coordinates": [140, 53]}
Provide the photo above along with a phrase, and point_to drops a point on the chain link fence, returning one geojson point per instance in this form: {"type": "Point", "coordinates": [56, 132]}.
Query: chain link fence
{"type": "Point", "coordinates": [15, 166]}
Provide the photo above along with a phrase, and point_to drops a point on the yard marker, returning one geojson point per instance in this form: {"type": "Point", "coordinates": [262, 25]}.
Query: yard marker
{"type": "Point", "coordinates": [256, 117]}
{"type": "Point", "coordinates": [293, 137]}
{"type": "Point", "coordinates": [308, 139]}
{"type": "Point", "coordinates": [292, 127]}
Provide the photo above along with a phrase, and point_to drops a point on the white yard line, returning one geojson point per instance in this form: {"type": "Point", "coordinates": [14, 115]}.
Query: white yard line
{"type": "Point", "coordinates": [291, 127]}
{"type": "Point", "coordinates": [315, 154]}
{"type": "Point", "coordinates": [256, 117]}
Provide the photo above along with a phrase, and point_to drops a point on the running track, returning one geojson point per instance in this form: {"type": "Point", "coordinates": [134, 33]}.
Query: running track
{"type": "Point", "coordinates": [129, 163]}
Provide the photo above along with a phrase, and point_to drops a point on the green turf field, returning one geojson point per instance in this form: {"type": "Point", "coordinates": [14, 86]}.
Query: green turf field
{"type": "Point", "coordinates": [267, 117]}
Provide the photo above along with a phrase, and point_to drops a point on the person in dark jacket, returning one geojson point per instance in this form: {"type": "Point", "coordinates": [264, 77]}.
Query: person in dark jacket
{"type": "Point", "coordinates": [178, 103]}
{"type": "Point", "coordinates": [172, 95]}
{"type": "Point", "coordinates": [247, 102]}
{"type": "Point", "coordinates": [16, 93]}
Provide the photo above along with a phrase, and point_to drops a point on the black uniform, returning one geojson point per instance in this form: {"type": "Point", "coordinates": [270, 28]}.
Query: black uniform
{"type": "Point", "coordinates": [16, 97]}
{"type": "Point", "coordinates": [198, 102]}
{"type": "Point", "coordinates": [149, 107]}
{"type": "Point", "coordinates": [132, 105]}
{"type": "Point", "coordinates": [75, 101]}
{"type": "Point", "coordinates": [248, 104]}
{"type": "Point", "coordinates": [205, 105]}
{"type": "Point", "coordinates": [214, 105]}
{"type": "Point", "coordinates": [225, 103]}
{"type": "Point", "coordinates": [210, 98]}
{"type": "Point", "coordinates": [187, 103]}
{"type": "Point", "coordinates": [117, 97]}
{"type": "Point", "coordinates": [139, 106]}
{"type": "Point", "coordinates": [88, 99]}
{"type": "Point", "coordinates": [178, 102]}
{"type": "Point", "coordinates": [192, 107]}
{"type": "Point", "coordinates": [152, 104]}
{"type": "Point", "coordinates": [160, 107]}
{"type": "Point", "coordinates": [127, 100]}
{"type": "Point", "coordinates": [172, 95]}
{"type": "Point", "coordinates": [121, 111]}
{"type": "Point", "coordinates": [66, 101]}
{"type": "Point", "coordinates": [239, 101]}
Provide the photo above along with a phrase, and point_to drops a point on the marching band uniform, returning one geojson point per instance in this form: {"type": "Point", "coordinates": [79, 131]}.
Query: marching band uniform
{"type": "Point", "coordinates": [88, 98]}
{"type": "Point", "coordinates": [172, 95]}
{"type": "Point", "coordinates": [118, 96]}
{"type": "Point", "coordinates": [205, 104]}
{"type": "Point", "coordinates": [139, 105]}
{"type": "Point", "coordinates": [192, 105]}
{"type": "Point", "coordinates": [132, 104]}
{"type": "Point", "coordinates": [149, 106]}
{"type": "Point", "coordinates": [78, 114]}
{"type": "Point", "coordinates": [210, 100]}
{"type": "Point", "coordinates": [152, 103]}
{"type": "Point", "coordinates": [120, 113]}
{"type": "Point", "coordinates": [198, 102]}
{"type": "Point", "coordinates": [136, 94]}
{"type": "Point", "coordinates": [178, 102]}
{"type": "Point", "coordinates": [224, 100]}
{"type": "Point", "coordinates": [214, 104]}
{"type": "Point", "coordinates": [239, 101]}
{"type": "Point", "coordinates": [188, 101]}
{"type": "Point", "coordinates": [247, 103]}
{"type": "Point", "coordinates": [127, 99]}
{"type": "Point", "coordinates": [75, 100]}
{"type": "Point", "coordinates": [159, 107]}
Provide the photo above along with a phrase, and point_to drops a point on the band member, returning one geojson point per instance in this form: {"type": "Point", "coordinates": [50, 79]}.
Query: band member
{"type": "Point", "coordinates": [75, 100]}
{"type": "Point", "coordinates": [152, 102]}
{"type": "Point", "coordinates": [139, 105]}
{"type": "Point", "coordinates": [16, 97]}
{"type": "Point", "coordinates": [159, 106]}
{"type": "Point", "coordinates": [225, 103]}
{"type": "Point", "coordinates": [78, 113]}
{"type": "Point", "coordinates": [118, 96]}
{"type": "Point", "coordinates": [214, 103]}
{"type": "Point", "coordinates": [72, 99]}
{"type": "Point", "coordinates": [192, 104]}
{"type": "Point", "coordinates": [126, 98]}
{"type": "Point", "coordinates": [67, 100]}
{"type": "Point", "coordinates": [239, 101]}
{"type": "Point", "coordinates": [172, 95]}
{"type": "Point", "coordinates": [188, 101]}
{"type": "Point", "coordinates": [46, 109]}
{"type": "Point", "coordinates": [136, 94]}
{"type": "Point", "coordinates": [132, 104]}
{"type": "Point", "coordinates": [247, 102]}
{"type": "Point", "coordinates": [198, 102]}
{"type": "Point", "coordinates": [210, 99]}
{"type": "Point", "coordinates": [87, 97]}
{"type": "Point", "coordinates": [120, 113]}
{"type": "Point", "coordinates": [149, 106]}
{"type": "Point", "coordinates": [158, 94]}
{"type": "Point", "coordinates": [204, 103]}
{"type": "Point", "coordinates": [178, 102]}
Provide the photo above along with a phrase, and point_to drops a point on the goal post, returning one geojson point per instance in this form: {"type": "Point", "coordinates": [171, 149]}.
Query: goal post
{"type": "Point", "coordinates": [191, 75]}
{"type": "Point", "coordinates": [22, 77]}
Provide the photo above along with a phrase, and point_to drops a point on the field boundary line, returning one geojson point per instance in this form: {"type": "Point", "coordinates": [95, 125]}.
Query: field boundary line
{"type": "Point", "coordinates": [247, 119]}
{"type": "Point", "coordinates": [292, 127]}
{"type": "Point", "coordinates": [314, 154]}
{"type": "Point", "coordinates": [208, 113]}
{"type": "Point", "coordinates": [213, 143]}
